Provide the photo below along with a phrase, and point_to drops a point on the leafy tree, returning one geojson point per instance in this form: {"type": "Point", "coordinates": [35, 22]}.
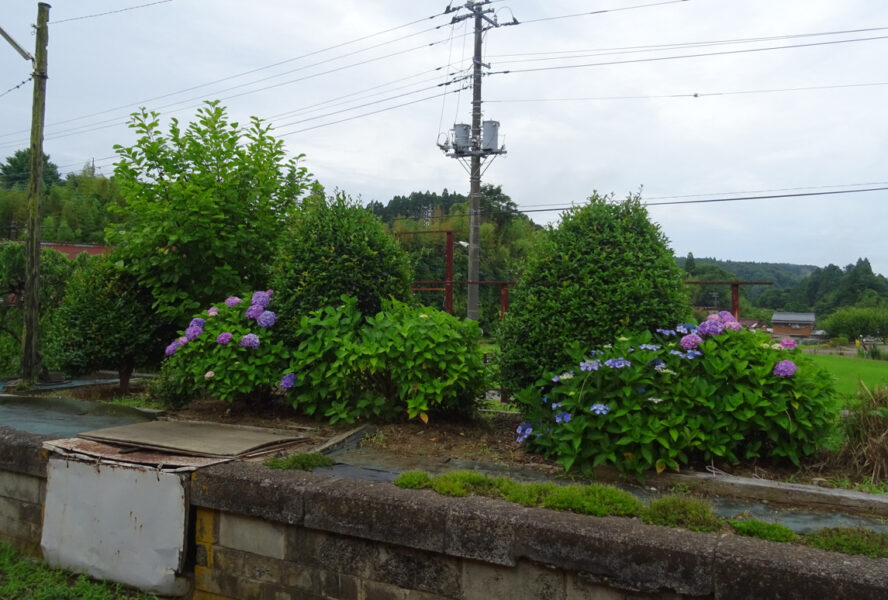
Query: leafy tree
{"type": "Point", "coordinates": [855, 322]}
{"type": "Point", "coordinates": [105, 321]}
{"type": "Point", "coordinates": [202, 208]}
{"type": "Point", "coordinates": [16, 171]}
{"type": "Point", "coordinates": [336, 247]}
{"type": "Point", "coordinates": [690, 264]}
{"type": "Point", "coordinates": [605, 268]}
{"type": "Point", "coordinates": [711, 295]}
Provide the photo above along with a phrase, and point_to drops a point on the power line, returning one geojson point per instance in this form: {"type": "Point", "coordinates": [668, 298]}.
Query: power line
{"type": "Point", "coordinates": [601, 11]}
{"type": "Point", "coordinates": [696, 94]}
{"type": "Point", "coordinates": [15, 87]}
{"type": "Point", "coordinates": [251, 71]}
{"type": "Point", "coordinates": [110, 12]}
{"type": "Point", "coordinates": [703, 54]}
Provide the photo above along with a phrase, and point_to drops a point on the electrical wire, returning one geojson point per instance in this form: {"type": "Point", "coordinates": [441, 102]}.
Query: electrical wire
{"type": "Point", "coordinates": [15, 87]}
{"type": "Point", "coordinates": [681, 56]}
{"type": "Point", "coordinates": [694, 94]}
{"type": "Point", "coordinates": [110, 12]}
{"type": "Point", "coordinates": [600, 11]}
{"type": "Point", "coordinates": [248, 72]}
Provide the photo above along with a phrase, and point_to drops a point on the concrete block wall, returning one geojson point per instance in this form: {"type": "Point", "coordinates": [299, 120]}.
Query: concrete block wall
{"type": "Point", "coordinates": [22, 489]}
{"type": "Point", "coordinates": [277, 535]}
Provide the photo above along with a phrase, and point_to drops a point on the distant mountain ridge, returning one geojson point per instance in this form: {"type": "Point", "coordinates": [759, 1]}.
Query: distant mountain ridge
{"type": "Point", "coordinates": [784, 275]}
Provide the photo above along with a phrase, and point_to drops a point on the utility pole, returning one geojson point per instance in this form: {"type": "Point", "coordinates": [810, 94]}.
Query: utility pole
{"type": "Point", "coordinates": [31, 332]}
{"type": "Point", "coordinates": [476, 145]}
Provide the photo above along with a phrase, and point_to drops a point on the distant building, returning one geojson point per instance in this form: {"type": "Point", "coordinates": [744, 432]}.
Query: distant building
{"type": "Point", "coordinates": [71, 249]}
{"type": "Point", "coordinates": [793, 324]}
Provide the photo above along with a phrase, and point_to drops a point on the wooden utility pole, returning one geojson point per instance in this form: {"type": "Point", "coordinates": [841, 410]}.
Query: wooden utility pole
{"type": "Point", "coordinates": [31, 333]}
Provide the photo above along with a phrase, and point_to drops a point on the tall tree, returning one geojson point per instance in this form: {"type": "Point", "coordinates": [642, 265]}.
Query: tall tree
{"type": "Point", "coordinates": [14, 173]}
{"type": "Point", "coordinates": [203, 208]}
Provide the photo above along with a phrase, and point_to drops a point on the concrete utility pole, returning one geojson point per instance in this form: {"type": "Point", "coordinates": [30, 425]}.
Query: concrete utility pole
{"type": "Point", "coordinates": [31, 337]}
{"type": "Point", "coordinates": [479, 145]}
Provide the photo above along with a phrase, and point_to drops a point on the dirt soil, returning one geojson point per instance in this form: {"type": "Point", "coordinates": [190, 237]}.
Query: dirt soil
{"type": "Point", "coordinates": [489, 438]}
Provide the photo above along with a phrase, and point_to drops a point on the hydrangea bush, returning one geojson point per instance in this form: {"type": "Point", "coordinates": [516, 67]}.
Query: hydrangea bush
{"type": "Point", "coordinates": [230, 351]}
{"type": "Point", "coordinates": [659, 400]}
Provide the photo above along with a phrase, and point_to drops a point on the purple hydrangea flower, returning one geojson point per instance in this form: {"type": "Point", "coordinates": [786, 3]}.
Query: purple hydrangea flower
{"type": "Point", "coordinates": [556, 379]}
{"type": "Point", "coordinates": [266, 319]}
{"type": "Point", "coordinates": [261, 298]}
{"type": "Point", "coordinates": [726, 316]}
{"type": "Point", "coordinates": [788, 343]}
{"type": "Point", "coordinates": [288, 381]}
{"type": "Point", "coordinates": [785, 368]}
{"type": "Point", "coordinates": [563, 417]}
{"type": "Point", "coordinates": [711, 328]}
{"type": "Point", "coordinates": [223, 338]}
{"type": "Point", "coordinates": [192, 332]}
{"type": "Point", "coordinates": [599, 409]}
{"type": "Point", "coordinates": [254, 311]}
{"type": "Point", "coordinates": [197, 322]}
{"type": "Point", "coordinates": [713, 317]}
{"type": "Point", "coordinates": [212, 311]}
{"type": "Point", "coordinates": [172, 348]}
{"type": "Point", "coordinates": [251, 340]}
{"type": "Point", "coordinates": [733, 326]}
{"type": "Point", "coordinates": [690, 341]}
{"type": "Point", "coordinates": [232, 301]}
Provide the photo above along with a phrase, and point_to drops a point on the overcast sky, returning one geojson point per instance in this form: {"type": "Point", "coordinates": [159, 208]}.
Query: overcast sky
{"type": "Point", "coordinates": [744, 120]}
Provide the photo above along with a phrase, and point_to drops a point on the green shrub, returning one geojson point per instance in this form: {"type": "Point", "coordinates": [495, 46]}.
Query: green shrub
{"type": "Point", "coordinates": [415, 480]}
{"type": "Point", "coordinates": [230, 352]}
{"type": "Point", "coordinates": [404, 360]}
{"type": "Point", "coordinates": [308, 461]}
{"type": "Point", "coordinates": [683, 511]}
{"type": "Point", "coordinates": [652, 401]}
{"type": "Point", "coordinates": [605, 268]}
{"type": "Point", "coordinates": [597, 500]}
{"type": "Point", "coordinates": [766, 531]}
{"type": "Point", "coordinates": [104, 322]}
{"type": "Point", "coordinates": [173, 387]}
{"type": "Point", "coordinates": [850, 540]}
{"type": "Point", "coordinates": [337, 247]}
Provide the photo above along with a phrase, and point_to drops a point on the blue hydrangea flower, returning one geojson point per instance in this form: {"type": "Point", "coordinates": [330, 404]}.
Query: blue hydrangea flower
{"type": "Point", "coordinates": [599, 409]}
{"type": "Point", "coordinates": [711, 328]}
{"type": "Point", "coordinates": [556, 405]}
{"type": "Point", "coordinates": [266, 319]}
{"type": "Point", "coordinates": [563, 417]}
{"type": "Point", "coordinates": [590, 365]}
{"type": "Point", "coordinates": [617, 363]}
{"type": "Point", "coordinates": [523, 431]}
{"type": "Point", "coordinates": [649, 347]}
{"type": "Point", "coordinates": [666, 332]}
{"type": "Point", "coordinates": [197, 322]}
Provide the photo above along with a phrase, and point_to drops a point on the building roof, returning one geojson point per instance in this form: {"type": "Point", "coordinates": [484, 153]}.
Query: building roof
{"type": "Point", "coordinates": [792, 317]}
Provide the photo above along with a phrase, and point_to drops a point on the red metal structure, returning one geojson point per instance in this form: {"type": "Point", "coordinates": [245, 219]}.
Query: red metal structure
{"type": "Point", "coordinates": [735, 291]}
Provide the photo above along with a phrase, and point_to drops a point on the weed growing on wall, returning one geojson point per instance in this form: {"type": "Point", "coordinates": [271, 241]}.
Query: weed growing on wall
{"type": "Point", "coordinates": [659, 400]}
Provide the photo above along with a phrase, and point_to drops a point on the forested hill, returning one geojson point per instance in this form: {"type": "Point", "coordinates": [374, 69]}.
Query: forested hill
{"type": "Point", "coordinates": [784, 275]}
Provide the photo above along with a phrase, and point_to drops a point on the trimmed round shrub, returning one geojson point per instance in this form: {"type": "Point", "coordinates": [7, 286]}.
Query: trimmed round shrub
{"type": "Point", "coordinates": [605, 268]}
{"type": "Point", "coordinates": [104, 322]}
{"type": "Point", "coordinates": [335, 247]}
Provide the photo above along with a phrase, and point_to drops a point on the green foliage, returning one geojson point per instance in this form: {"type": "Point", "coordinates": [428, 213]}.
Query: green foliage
{"type": "Point", "coordinates": [24, 578]}
{"type": "Point", "coordinates": [762, 530]}
{"type": "Point", "coordinates": [308, 461]}
{"type": "Point", "coordinates": [55, 269]}
{"type": "Point", "coordinates": [173, 387]}
{"type": "Point", "coordinates": [203, 208]}
{"type": "Point", "coordinates": [683, 511]}
{"type": "Point", "coordinates": [848, 372]}
{"type": "Point", "coordinates": [216, 360]}
{"type": "Point", "coordinates": [605, 268]}
{"type": "Point", "coordinates": [405, 359]}
{"type": "Point", "coordinates": [594, 500]}
{"type": "Point", "coordinates": [413, 480]}
{"type": "Point", "coordinates": [105, 321]}
{"type": "Point", "coordinates": [850, 540]}
{"type": "Point", "coordinates": [647, 403]}
{"type": "Point", "coordinates": [16, 171]}
{"type": "Point", "coordinates": [856, 322]}
{"type": "Point", "coordinates": [335, 247]}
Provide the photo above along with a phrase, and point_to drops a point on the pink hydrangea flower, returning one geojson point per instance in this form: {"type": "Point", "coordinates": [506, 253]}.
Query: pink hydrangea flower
{"type": "Point", "coordinates": [691, 341]}
{"type": "Point", "coordinates": [788, 343]}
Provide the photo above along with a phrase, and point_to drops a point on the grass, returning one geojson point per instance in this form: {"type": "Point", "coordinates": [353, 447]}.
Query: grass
{"type": "Point", "coordinates": [301, 462]}
{"type": "Point", "coordinates": [25, 578]}
{"type": "Point", "coordinates": [683, 511]}
{"type": "Point", "coordinates": [848, 372]}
